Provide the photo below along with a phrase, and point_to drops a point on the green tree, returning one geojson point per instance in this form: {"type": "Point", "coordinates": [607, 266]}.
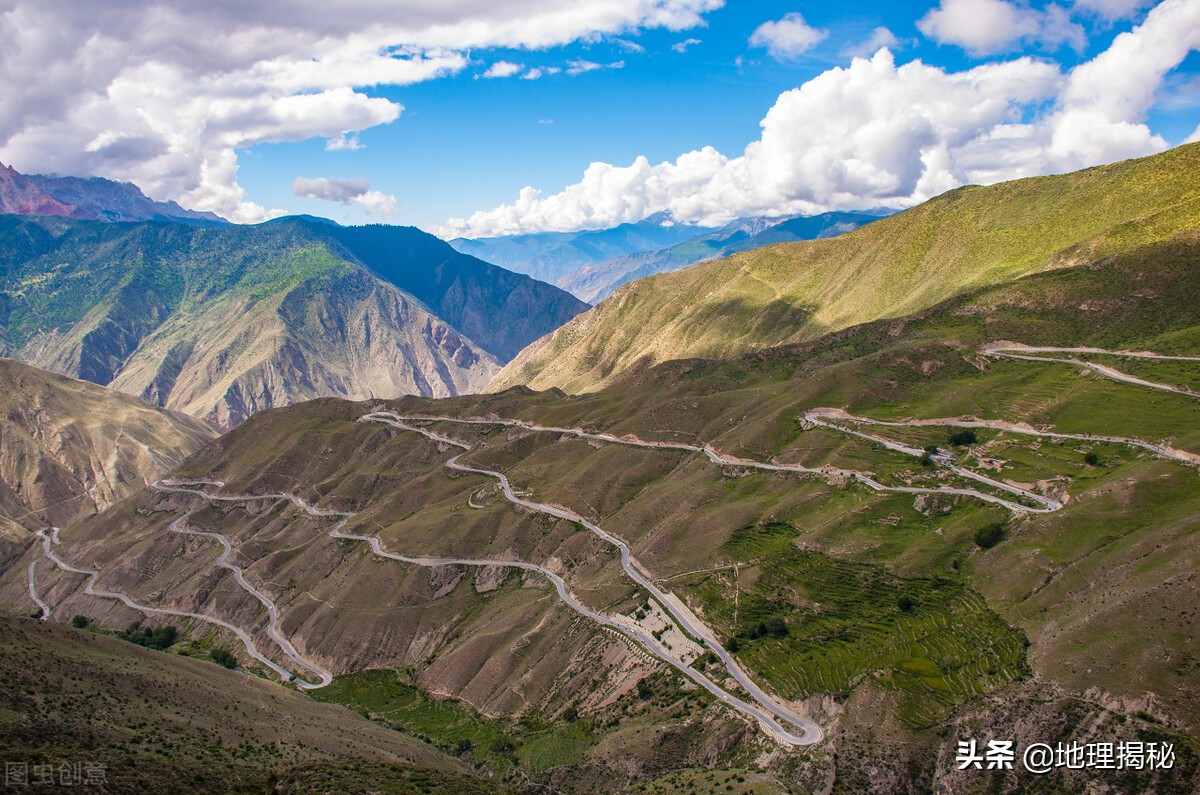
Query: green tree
{"type": "Point", "coordinates": [79, 622]}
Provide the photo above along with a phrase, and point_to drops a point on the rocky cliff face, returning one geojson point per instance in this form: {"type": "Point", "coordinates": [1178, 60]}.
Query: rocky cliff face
{"type": "Point", "coordinates": [69, 448]}
{"type": "Point", "coordinates": [19, 196]}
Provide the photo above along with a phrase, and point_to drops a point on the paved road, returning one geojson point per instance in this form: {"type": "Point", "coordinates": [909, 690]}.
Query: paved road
{"type": "Point", "coordinates": [1025, 352]}
{"type": "Point", "coordinates": [1046, 504]}
{"type": "Point", "coordinates": [323, 676]}
{"type": "Point", "coordinates": [767, 712]}
{"type": "Point", "coordinates": [946, 460]}
{"type": "Point", "coordinates": [1163, 450]}
{"type": "Point", "coordinates": [91, 590]}
{"type": "Point", "coordinates": [33, 594]}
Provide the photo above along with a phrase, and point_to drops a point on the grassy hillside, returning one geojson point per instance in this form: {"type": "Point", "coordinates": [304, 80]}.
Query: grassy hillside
{"type": "Point", "coordinates": [156, 722]}
{"type": "Point", "coordinates": [792, 292]}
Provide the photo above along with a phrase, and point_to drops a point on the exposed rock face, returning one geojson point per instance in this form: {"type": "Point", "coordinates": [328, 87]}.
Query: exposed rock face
{"type": "Point", "coordinates": [69, 448]}
{"type": "Point", "coordinates": [223, 322]}
{"type": "Point", "coordinates": [19, 196]}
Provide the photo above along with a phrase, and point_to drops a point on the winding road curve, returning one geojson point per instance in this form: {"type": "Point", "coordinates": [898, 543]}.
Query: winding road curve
{"type": "Point", "coordinates": [767, 711]}
{"type": "Point", "coordinates": [33, 594]}
{"type": "Point", "coordinates": [1045, 504]}
{"type": "Point", "coordinates": [323, 676]}
{"type": "Point", "coordinates": [1163, 450]}
{"type": "Point", "coordinates": [91, 590]}
{"type": "Point", "coordinates": [1004, 350]}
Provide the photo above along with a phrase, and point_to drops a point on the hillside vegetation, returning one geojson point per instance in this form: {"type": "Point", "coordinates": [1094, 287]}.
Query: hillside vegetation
{"type": "Point", "coordinates": [788, 293]}
{"type": "Point", "coordinates": [153, 722]}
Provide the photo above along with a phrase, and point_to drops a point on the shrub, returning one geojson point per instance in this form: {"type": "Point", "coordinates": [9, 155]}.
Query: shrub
{"type": "Point", "coordinates": [963, 438]}
{"type": "Point", "coordinates": [643, 690]}
{"type": "Point", "coordinates": [1091, 459]}
{"type": "Point", "coordinates": [79, 622]}
{"type": "Point", "coordinates": [905, 603]}
{"type": "Point", "coordinates": [989, 536]}
{"type": "Point", "coordinates": [223, 657]}
{"type": "Point", "coordinates": [733, 646]}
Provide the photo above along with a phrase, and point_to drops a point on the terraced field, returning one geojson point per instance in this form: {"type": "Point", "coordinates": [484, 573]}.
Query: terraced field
{"type": "Point", "coordinates": [932, 639]}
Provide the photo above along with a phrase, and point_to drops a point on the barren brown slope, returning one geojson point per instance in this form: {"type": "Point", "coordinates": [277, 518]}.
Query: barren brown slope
{"type": "Point", "coordinates": [794, 292]}
{"type": "Point", "coordinates": [69, 448]}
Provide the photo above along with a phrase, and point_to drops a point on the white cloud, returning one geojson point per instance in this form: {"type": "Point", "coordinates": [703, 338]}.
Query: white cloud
{"type": "Point", "coordinates": [787, 38]}
{"type": "Point", "coordinates": [580, 66]}
{"type": "Point", "coordinates": [1194, 137]}
{"type": "Point", "coordinates": [344, 142]}
{"type": "Point", "coordinates": [985, 27]}
{"type": "Point", "coordinates": [533, 74]}
{"type": "Point", "coordinates": [503, 69]}
{"type": "Point", "coordinates": [877, 134]}
{"type": "Point", "coordinates": [1112, 9]}
{"type": "Point", "coordinates": [165, 94]}
{"type": "Point", "coordinates": [345, 191]}
{"type": "Point", "coordinates": [629, 46]}
{"type": "Point", "coordinates": [880, 37]}
{"type": "Point", "coordinates": [682, 46]}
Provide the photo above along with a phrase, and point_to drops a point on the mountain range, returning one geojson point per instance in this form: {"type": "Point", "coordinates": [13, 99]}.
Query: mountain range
{"type": "Point", "coordinates": [553, 256]}
{"type": "Point", "coordinates": [91, 197]}
{"type": "Point", "coordinates": [222, 321]}
{"type": "Point", "coordinates": [596, 281]}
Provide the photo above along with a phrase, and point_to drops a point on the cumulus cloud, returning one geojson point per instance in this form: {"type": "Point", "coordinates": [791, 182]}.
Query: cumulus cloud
{"type": "Point", "coordinates": [165, 94]}
{"type": "Point", "coordinates": [503, 69]}
{"type": "Point", "coordinates": [682, 46]}
{"type": "Point", "coordinates": [787, 38]}
{"type": "Point", "coordinates": [345, 191]}
{"type": "Point", "coordinates": [880, 38]}
{"type": "Point", "coordinates": [984, 27]}
{"type": "Point", "coordinates": [878, 134]}
{"type": "Point", "coordinates": [343, 143]}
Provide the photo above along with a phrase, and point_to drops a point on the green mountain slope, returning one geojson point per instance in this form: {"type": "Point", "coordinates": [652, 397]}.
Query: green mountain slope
{"type": "Point", "coordinates": [792, 292]}
{"type": "Point", "coordinates": [222, 322]}
{"type": "Point", "coordinates": [69, 448]}
{"type": "Point", "coordinates": [153, 722]}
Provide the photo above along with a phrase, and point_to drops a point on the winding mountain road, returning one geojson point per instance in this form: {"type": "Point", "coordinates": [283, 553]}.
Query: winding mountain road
{"type": "Point", "coordinates": [33, 594]}
{"type": "Point", "coordinates": [323, 676]}
{"type": "Point", "coordinates": [767, 711]}
{"type": "Point", "coordinates": [91, 590]}
{"type": "Point", "coordinates": [1045, 504]}
{"type": "Point", "coordinates": [1004, 350]}
{"type": "Point", "coordinates": [1162, 450]}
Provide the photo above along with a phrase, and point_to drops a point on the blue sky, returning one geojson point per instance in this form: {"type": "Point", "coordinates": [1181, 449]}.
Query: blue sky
{"type": "Point", "coordinates": [234, 121]}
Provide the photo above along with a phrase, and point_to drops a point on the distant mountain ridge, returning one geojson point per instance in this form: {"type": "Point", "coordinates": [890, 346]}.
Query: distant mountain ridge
{"type": "Point", "coordinates": [551, 256]}
{"type": "Point", "coordinates": [93, 198]}
{"type": "Point", "coordinates": [597, 281]}
{"type": "Point", "coordinates": [221, 322]}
